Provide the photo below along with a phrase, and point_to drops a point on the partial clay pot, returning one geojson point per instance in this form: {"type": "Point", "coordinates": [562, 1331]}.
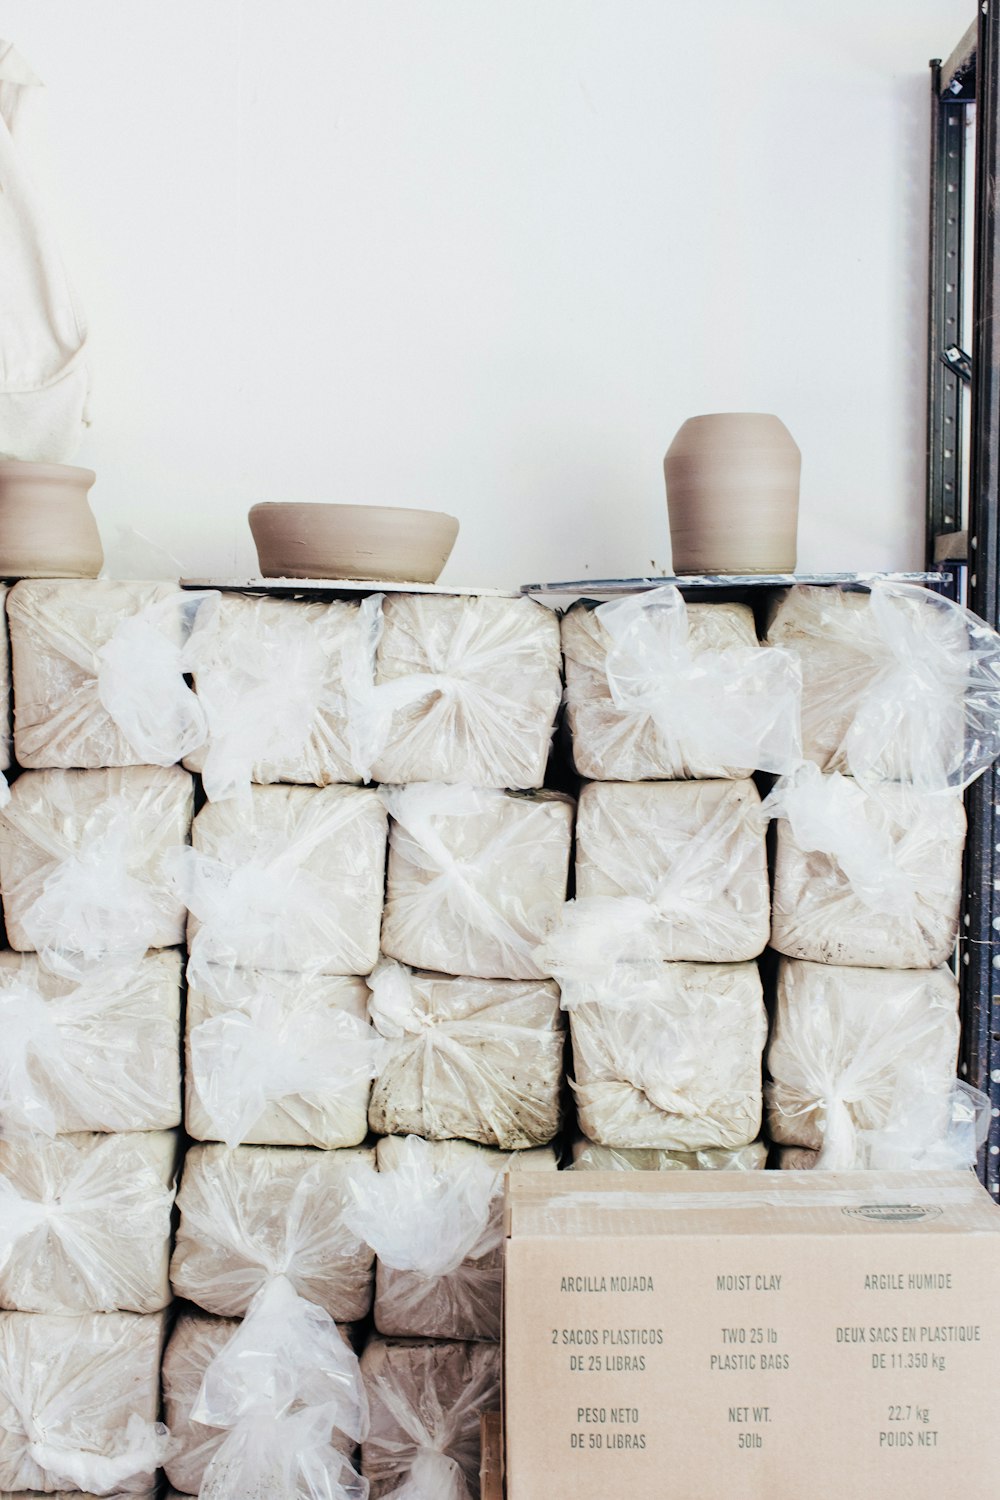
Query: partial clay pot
{"type": "Point", "coordinates": [733, 494]}
{"type": "Point", "coordinates": [47, 528]}
{"type": "Point", "coordinates": [352, 541]}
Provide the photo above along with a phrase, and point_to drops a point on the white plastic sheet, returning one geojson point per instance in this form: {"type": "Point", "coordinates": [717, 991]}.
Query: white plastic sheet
{"type": "Point", "coordinates": [291, 880]}
{"type": "Point", "coordinates": [79, 1400]}
{"type": "Point", "coordinates": [466, 690]}
{"type": "Point", "coordinates": [473, 1058]}
{"type": "Point", "coordinates": [900, 684]}
{"type": "Point", "coordinates": [83, 864]}
{"type": "Point", "coordinates": [279, 1059]}
{"type": "Point", "coordinates": [194, 1343]}
{"type": "Point", "coordinates": [660, 689]}
{"type": "Point", "coordinates": [425, 1402]}
{"type": "Point", "coordinates": [865, 876]}
{"type": "Point", "coordinates": [670, 870]}
{"type": "Point", "coordinates": [588, 1157]}
{"type": "Point", "coordinates": [863, 1063]}
{"type": "Point", "coordinates": [276, 679]}
{"type": "Point", "coordinates": [476, 878]}
{"type": "Point", "coordinates": [100, 1055]}
{"type": "Point", "coordinates": [280, 1388]}
{"type": "Point", "coordinates": [99, 673]}
{"type": "Point", "coordinates": [253, 1213]}
{"type": "Point", "coordinates": [433, 1215]}
{"type": "Point", "coordinates": [667, 1056]}
{"type": "Point", "coordinates": [85, 1222]}
{"type": "Point", "coordinates": [922, 1142]}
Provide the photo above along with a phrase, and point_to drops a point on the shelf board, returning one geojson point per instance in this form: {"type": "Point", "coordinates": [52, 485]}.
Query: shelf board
{"type": "Point", "coordinates": [337, 587]}
{"type": "Point", "coordinates": [592, 588]}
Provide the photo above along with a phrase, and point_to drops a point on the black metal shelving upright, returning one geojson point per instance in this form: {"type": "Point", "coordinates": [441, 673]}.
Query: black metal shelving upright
{"type": "Point", "coordinates": [963, 520]}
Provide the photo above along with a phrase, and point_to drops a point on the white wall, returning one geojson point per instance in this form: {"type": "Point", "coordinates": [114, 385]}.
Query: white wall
{"type": "Point", "coordinates": [487, 255]}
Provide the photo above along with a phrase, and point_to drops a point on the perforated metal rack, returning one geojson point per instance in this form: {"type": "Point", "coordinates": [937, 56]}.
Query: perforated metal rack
{"type": "Point", "coordinates": [963, 470]}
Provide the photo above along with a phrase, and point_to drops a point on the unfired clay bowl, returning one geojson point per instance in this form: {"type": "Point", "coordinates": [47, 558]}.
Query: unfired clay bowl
{"type": "Point", "coordinates": [733, 494]}
{"type": "Point", "coordinates": [47, 529]}
{"type": "Point", "coordinates": [352, 541]}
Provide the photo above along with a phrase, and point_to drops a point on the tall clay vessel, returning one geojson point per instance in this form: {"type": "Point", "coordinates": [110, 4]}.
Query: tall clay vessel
{"type": "Point", "coordinates": [47, 528]}
{"type": "Point", "coordinates": [733, 494]}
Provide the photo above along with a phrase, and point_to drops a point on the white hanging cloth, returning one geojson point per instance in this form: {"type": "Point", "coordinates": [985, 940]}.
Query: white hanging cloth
{"type": "Point", "coordinates": [44, 379]}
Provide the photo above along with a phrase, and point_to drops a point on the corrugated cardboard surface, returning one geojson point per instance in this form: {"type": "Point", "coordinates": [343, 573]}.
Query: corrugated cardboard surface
{"type": "Point", "coordinates": [794, 1338]}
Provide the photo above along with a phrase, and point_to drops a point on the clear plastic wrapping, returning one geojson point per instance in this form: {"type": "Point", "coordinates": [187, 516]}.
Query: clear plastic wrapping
{"type": "Point", "coordinates": [466, 690]}
{"type": "Point", "coordinates": [292, 879]}
{"type": "Point", "coordinates": [671, 870]}
{"type": "Point", "coordinates": [897, 685]}
{"type": "Point", "coordinates": [273, 677]}
{"type": "Point", "coordinates": [256, 1212]}
{"type": "Point", "coordinates": [954, 1139]}
{"type": "Point", "coordinates": [194, 1343]}
{"type": "Point", "coordinates": [865, 876]}
{"type": "Point", "coordinates": [433, 1215]}
{"type": "Point", "coordinates": [79, 1400]}
{"type": "Point", "coordinates": [659, 689]}
{"type": "Point", "coordinates": [425, 1402]}
{"type": "Point", "coordinates": [476, 878]}
{"type": "Point", "coordinates": [479, 1059]}
{"type": "Point", "coordinates": [101, 1054]}
{"type": "Point", "coordinates": [862, 1063]}
{"type": "Point", "coordinates": [279, 1059]}
{"type": "Point", "coordinates": [281, 1389]}
{"type": "Point", "coordinates": [83, 864]}
{"type": "Point", "coordinates": [667, 1056]}
{"type": "Point", "coordinates": [99, 673]}
{"type": "Point", "coordinates": [588, 1157]}
{"type": "Point", "coordinates": [85, 1222]}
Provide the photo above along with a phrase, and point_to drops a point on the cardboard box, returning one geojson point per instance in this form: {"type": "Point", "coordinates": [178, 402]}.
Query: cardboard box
{"type": "Point", "coordinates": [783, 1335]}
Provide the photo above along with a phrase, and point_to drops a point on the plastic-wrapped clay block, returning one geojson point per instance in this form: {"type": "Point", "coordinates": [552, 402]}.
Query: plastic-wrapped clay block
{"type": "Point", "coordinates": [425, 1401]}
{"type": "Point", "coordinates": [467, 690]}
{"type": "Point", "coordinates": [195, 1341]}
{"type": "Point", "coordinates": [476, 878]}
{"type": "Point", "coordinates": [101, 1053]}
{"type": "Point", "coordinates": [99, 674]}
{"type": "Point", "coordinates": [590, 1158]}
{"type": "Point", "coordinates": [679, 868]}
{"type": "Point", "coordinates": [290, 879]}
{"type": "Point", "coordinates": [866, 877]}
{"type": "Point", "coordinates": [797, 1159]}
{"type": "Point", "coordinates": [660, 690]}
{"type": "Point", "coordinates": [79, 1401]}
{"type": "Point", "coordinates": [86, 1222]}
{"type": "Point", "coordinates": [253, 1212]}
{"type": "Point", "coordinates": [479, 1059]}
{"type": "Point", "coordinates": [86, 863]}
{"type": "Point", "coordinates": [668, 1056]}
{"type": "Point", "coordinates": [434, 1216]}
{"type": "Point", "coordinates": [273, 677]}
{"type": "Point", "coordinates": [279, 1059]}
{"type": "Point", "coordinates": [863, 1063]}
{"type": "Point", "coordinates": [898, 684]}
{"type": "Point", "coordinates": [73, 1495]}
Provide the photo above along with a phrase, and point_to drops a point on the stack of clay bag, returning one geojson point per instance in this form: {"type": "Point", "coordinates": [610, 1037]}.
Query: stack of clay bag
{"type": "Point", "coordinates": [283, 882]}
{"type": "Point", "coordinates": [292, 1015]}
{"type": "Point", "coordinates": [900, 711]}
{"type": "Point", "coordinates": [670, 708]}
{"type": "Point", "coordinates": [457, 726]}
{"type": "Point", "coordinates": [90, 1097]}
